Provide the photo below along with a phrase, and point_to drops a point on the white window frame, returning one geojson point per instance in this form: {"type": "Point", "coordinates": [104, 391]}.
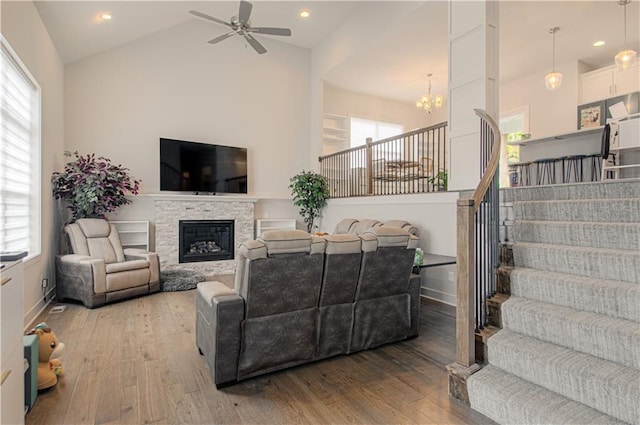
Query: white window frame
{"type": "Point", "coordinates": [35, 164]}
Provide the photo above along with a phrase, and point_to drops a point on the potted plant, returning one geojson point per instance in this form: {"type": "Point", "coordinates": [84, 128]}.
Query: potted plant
{"type": "Point", "coordinates": [440, 181]}
{"type": "Point", "coordinates": [93, 186]}
{"type": "Point", "coordinates": [310, 192]}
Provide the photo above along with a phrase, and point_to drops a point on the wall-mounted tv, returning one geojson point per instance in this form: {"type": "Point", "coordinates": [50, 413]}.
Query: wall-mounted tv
{"type": "Point", "coordinates": [201, 167]}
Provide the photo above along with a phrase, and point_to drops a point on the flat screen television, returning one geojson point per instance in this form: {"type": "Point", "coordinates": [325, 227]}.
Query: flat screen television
{"type": "Point", "coordinates": [201, 167]}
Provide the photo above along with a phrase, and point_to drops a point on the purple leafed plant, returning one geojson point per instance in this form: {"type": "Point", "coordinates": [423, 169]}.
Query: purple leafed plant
{"type": "Point", "coordinates": [93, 186]}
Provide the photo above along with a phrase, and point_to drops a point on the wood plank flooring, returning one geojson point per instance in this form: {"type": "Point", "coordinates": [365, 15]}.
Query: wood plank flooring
{"type": "Point", "coordinates": [135, 362]}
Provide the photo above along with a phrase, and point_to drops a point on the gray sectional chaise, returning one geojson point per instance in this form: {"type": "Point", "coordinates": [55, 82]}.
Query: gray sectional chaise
{"type": "Point", "coordinates": [300, 298]}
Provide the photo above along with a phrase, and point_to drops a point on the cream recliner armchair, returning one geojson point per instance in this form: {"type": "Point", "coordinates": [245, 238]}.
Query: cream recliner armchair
{"type": "Point", "coordinates": [99, 271]}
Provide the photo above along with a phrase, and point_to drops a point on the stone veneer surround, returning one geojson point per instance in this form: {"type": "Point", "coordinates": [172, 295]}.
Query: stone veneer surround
{"type": "Point", "coordinates": [170, 209]}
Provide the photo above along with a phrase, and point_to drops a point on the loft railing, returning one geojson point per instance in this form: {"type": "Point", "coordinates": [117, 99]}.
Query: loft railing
{"type": "Point", "coordinates": [477, 256]}
{"type": "Point", "coordinates": [414, 162]}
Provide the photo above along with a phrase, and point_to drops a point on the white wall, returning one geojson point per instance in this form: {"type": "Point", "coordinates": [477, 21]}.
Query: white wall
{"type": "Point", "coordinates": [344, 102]}
{"type": "Point", "coordinates": [22, 27]}
{"type": "Point", "coordinates": [434, 214]}
{"type": "Point", "coordinates": [550, 112]}
{"type": "Point", "coordinates": [173, 84]}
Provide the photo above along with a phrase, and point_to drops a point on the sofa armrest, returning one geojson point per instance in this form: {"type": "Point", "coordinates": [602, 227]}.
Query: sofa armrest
{"type": "Point", "coordinates": [90, 270]}
{"type": "Point", "coordinates": [219, 315]}
{"type": "Point", "coordinates": [151, 257]}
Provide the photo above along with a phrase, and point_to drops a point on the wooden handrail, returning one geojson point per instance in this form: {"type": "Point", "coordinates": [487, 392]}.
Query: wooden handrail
{"type": "Point", "coordinates": [492, 166]}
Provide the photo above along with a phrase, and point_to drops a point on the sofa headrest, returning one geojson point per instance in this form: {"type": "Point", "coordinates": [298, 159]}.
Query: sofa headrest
{"type": "Point", "coordinates": [343, 244]}
{"type": "Point", "coordinates": [291, 242]}
{"type": "Point", "coordinates": [387, 236]}
{"type": "Point", "coordinates": [402, 224]}
{"type": "Point", "coordinates": [94, 227]}
{"type": "Point", "coordinates": [363, 226]}
{"type": "Point", "coordinates": [344, 226]}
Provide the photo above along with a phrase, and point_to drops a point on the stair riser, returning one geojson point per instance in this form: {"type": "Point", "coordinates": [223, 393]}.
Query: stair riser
{"type": "Point", "coordinates": [586, 234]}
{"type": "Point", "coordinates": [602, 385]}
{"type": "Point", "coordinates": [613, 265]}
{"type": "Point", "coordinates": [601, 210]}
{"type": "Point", "coordinates": [611, 339]}
{"type": "Point", "coordinates": [615, 299]}
{"type": "Point", "coordinates": [597, 190]}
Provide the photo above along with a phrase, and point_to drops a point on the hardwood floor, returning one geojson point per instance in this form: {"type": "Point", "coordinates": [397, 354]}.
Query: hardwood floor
{"type": "Point", "coordinates": [136, 362]}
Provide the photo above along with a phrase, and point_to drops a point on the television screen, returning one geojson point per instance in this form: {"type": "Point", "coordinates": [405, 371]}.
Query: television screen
{"type": "Point", "coordinates": [201, 167]}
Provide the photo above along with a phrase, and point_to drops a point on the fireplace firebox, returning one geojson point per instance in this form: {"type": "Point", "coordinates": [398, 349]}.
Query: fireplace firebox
{"type": "Point", "coordinates": [206, 240]}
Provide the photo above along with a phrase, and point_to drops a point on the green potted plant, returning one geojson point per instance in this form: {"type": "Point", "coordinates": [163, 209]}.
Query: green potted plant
{"type": "Point", "coordinates": [310, 192]}
{"type": "Point", "coordinates": [93, 186]}
{"type": "Point", "coordinates": [440, 181]}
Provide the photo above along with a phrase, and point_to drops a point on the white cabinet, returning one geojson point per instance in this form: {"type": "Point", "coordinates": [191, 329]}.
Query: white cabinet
{"type": "Point", "coordinates": [133, 234]}
{"type": "Point", "coordinates": [264, 224]}
{"type": "Point", "coordinates": [12, 365]}
{"type": "Point", "coordinates": [608, 82]}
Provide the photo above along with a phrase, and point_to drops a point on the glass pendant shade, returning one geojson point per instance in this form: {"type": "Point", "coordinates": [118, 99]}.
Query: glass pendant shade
{"type": "Point", "coordinates": [626, 58]}
{"type": "Point", "coordinates": [553, 80]}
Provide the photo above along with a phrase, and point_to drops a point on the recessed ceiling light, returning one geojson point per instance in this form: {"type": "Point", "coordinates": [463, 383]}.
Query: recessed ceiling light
{"type": "Point", "coordinates": [105, 16]}
{"type": "Point", "coordinates": [599, 43]}
{"type": "Point", "coordinates": [304, 13]}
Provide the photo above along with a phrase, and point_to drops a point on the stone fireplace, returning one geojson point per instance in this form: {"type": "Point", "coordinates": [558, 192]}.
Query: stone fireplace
{"type": "Point", "coordinates": [172, 210]}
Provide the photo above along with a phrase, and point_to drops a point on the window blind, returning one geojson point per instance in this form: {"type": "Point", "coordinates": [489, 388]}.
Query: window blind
{"type": "Point", "coordinates": [19, 135]}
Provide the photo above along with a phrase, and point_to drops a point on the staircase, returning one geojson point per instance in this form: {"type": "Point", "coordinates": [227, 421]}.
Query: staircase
{"type": "Point", "coordinates": [569, 348]}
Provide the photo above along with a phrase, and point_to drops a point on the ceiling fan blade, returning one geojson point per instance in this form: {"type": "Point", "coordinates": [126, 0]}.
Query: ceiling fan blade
{"type": "Point", "coordinates": [245, 11]}
{"type": "Point", "coordinates": [271, 31]}
{"type": "Point", "coordinates": [255, 44]}
{"type": "Point", "coordinates": [209, 18]}
{"type": "Point", "coordinates": [220, 38]}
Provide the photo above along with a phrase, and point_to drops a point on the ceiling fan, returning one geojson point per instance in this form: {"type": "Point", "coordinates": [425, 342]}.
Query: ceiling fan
{"type": "Point", "coordinates": [241, 25]}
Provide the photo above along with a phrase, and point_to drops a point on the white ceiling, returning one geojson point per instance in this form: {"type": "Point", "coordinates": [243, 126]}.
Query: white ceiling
{"type": "Point", "coordinates": [396, 65]}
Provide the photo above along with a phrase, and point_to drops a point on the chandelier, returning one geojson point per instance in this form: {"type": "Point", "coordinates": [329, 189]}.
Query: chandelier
{"type": "Point", "coordinates": [627, 56]}
{"type": "Point", "coordinates": [428, 102]}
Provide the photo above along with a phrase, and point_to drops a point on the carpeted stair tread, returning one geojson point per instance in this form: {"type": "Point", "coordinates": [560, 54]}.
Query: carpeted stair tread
{"type": "Point", "coordinates": [608, 189]}
{"type": "Point", "coordinates": [616, 340]}
{"type": "Point", "coordinates": [610, 297]}
{"type": "Point", "coordinates": [508, 399]}
{"type": "Point", "coordinates": [601, 384]}
{"type": "Point", "coordinates": [599, 263]}
{"type": "Point", "coordinates": [623, 210]}
{"type": "Point", "coordinates": [580, 233]}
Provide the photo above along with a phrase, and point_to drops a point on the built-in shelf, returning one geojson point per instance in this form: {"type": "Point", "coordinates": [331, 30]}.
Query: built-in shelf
{"type": "Point", "coordinates": [133, 234]}
{"type": "Point", "coordinates": [558, 137]}
{"type": "Point", "coordinates": [336, 128]}
{"type": "Point", "coordinates": [264, 224]}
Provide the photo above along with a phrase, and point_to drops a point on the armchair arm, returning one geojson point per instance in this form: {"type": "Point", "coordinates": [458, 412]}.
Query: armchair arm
{"type": "Point", "coordinates": [91, 271]}
{"type": "Point", "coordinates": [219, 315]}
{"type": "Point", "coordinates": [151, 257]}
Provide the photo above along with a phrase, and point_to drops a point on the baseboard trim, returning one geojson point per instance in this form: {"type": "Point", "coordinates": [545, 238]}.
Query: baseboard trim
{"type": "Point", "coordinates": [29, 318]}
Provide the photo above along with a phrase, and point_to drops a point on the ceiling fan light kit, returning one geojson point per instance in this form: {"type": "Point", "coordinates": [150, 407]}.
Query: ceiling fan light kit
{"type": "Point", "coordinates": [241, 25]}
{"type": "Point", "coordinates": [553, 79]}
{"type": "Point", "coordinates": [627, 56]}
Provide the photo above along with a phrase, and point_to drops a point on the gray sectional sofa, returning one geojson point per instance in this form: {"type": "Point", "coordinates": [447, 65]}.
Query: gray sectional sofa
{"type": "Point", "coordinates": [300, 298]}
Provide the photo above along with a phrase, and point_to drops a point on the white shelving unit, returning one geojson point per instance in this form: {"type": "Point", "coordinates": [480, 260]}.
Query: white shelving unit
{"type": "Point", "coordinates": [336, 129]}
{"type": "Point", "coordinates": [133, 234]}
{"type": "Point", "coordinates": [264, 224]}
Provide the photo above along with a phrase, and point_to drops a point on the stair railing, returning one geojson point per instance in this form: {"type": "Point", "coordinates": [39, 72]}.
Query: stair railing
{"type": "Point", "coordinates": [477, 256]}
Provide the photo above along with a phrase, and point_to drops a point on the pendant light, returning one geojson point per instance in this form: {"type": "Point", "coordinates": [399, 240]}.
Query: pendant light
{"type": "Point", "coordinates": [627, 56]}
{"type": "Point", "coordinates": [554, 78]}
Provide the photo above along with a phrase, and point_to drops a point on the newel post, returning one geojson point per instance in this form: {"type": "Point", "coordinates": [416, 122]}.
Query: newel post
{"type": "Point", "coordinates": [369, 166]}
{"type": "Point", "coordinates": [465, 364]}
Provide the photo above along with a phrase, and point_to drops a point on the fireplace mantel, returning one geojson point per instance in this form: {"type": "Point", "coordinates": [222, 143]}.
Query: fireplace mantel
{"type": "Point", "coordinates": [201, 198]}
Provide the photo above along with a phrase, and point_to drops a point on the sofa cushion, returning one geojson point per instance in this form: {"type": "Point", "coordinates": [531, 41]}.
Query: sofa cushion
{"type": "Point", "coordinates": [94, 227]}
{"type": "Point", "coordinates": [126, 265]}
{"type": "Point", "coordinates": [126, 280]}
{"type": "Point", "coordinates": [343, 244]}
{"type": "Point", "coordinates": [390, 236]}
